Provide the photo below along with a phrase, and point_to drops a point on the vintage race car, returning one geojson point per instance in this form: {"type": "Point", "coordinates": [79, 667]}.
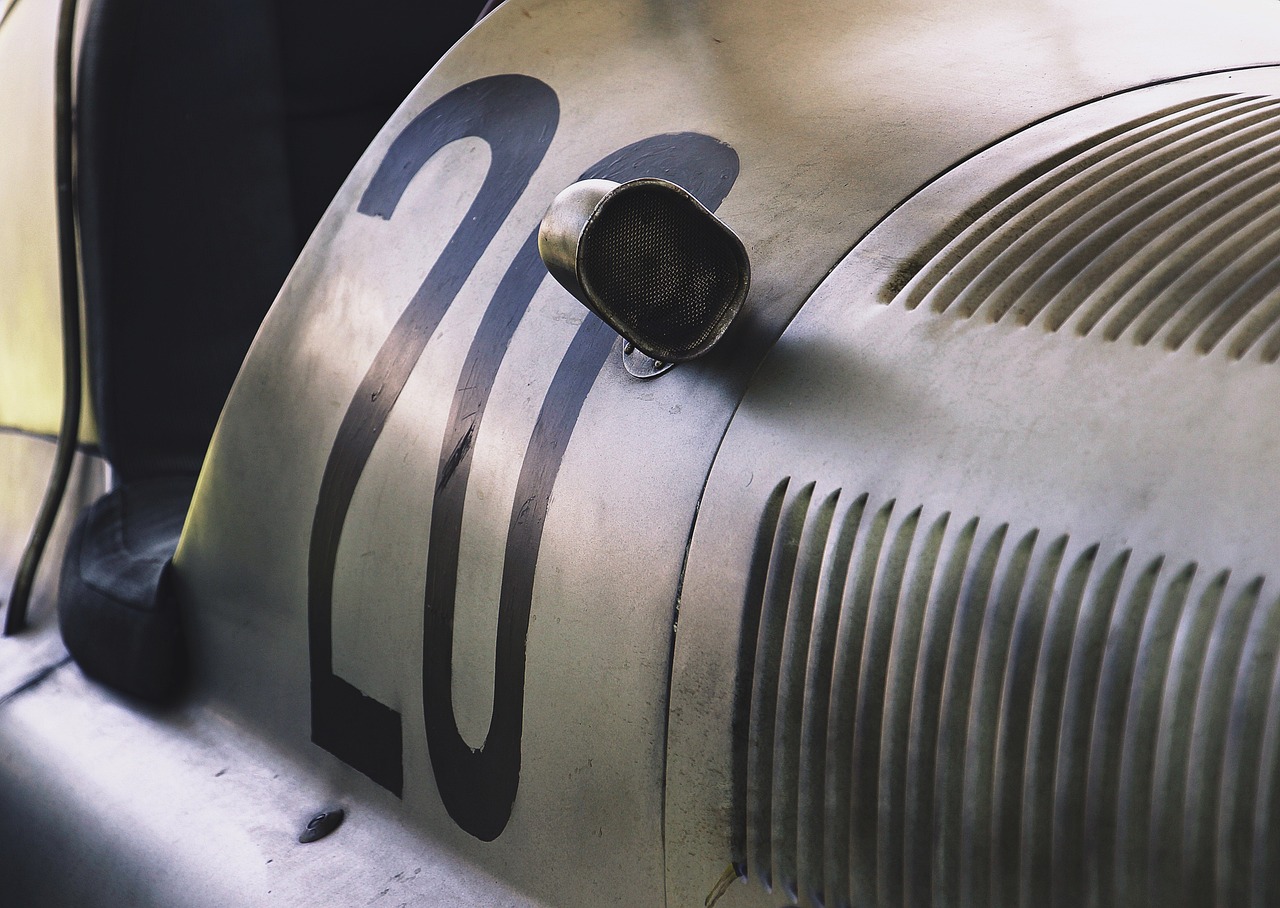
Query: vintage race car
{"type": "Point", "coordinates": [894, 526]}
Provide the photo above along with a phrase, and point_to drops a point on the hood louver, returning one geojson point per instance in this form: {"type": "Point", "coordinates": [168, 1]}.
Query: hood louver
{"type": "Point", "coordinates": [940, 710]}
{"type": "Point", "coordinates": [1163, 230]}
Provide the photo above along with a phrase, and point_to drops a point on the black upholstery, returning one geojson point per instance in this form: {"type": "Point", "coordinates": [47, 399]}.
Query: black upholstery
{"type": "Point", "coordinates": [117, 609]}
{"type": "Point", "coordinates": [211, 135]}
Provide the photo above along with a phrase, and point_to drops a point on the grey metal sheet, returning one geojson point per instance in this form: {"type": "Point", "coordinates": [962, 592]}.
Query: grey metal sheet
{"type": "Point", "coordinates": [107, 802]}
{"type": "Point", "coordinates": [835, 116]}
{"type": "Point", "coordinates": [978, 510]}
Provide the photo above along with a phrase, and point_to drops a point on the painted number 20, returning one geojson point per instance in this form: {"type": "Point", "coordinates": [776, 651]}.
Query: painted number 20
{"type": "Point", "coordinates": [517, 116]}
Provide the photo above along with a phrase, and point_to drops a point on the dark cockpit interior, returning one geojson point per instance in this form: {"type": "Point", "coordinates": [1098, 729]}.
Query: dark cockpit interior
{"type": "Point", "coordinates": [210, 137]}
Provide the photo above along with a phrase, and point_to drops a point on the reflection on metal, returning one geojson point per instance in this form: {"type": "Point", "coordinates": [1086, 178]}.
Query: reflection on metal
{"type": "Point", "coordinates": [649, 259]}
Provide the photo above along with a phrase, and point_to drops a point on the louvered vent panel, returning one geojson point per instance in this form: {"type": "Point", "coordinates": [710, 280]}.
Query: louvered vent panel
{"type": "Point", "coordinates": [938, 711]}
{"type": "Point", "coordinates": [1164, 230]}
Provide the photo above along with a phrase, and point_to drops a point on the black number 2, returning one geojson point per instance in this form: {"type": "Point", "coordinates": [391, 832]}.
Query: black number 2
{"type": "Point", "coordinates": [517, 116]}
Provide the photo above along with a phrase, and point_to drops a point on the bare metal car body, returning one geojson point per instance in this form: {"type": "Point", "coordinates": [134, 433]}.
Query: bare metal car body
{"type": "Point", "coordinates": [944, 579]}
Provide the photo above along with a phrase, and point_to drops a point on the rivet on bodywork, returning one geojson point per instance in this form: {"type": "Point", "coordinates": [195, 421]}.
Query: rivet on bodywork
{"type": "Point", "coordinates": [321, 825]}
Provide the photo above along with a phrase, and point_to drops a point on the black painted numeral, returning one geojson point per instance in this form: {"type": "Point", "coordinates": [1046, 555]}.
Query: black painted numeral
{"type": "Point", "coordinates": [517, 116]}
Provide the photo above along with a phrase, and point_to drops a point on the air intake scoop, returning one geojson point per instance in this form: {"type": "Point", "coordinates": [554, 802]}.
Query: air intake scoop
{"type": "Point", "coordinates": [649, 259]}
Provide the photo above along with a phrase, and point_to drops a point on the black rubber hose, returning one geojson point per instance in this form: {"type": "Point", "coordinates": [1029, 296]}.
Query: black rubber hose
{"type": "Point", "coordinates": [69, 430]}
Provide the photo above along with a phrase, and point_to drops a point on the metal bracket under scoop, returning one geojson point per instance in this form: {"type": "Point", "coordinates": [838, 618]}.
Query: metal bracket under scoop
{"type": "Point", "coordinates": [652, 261]}
{"type": "Point", "coordinates": [641, 365]}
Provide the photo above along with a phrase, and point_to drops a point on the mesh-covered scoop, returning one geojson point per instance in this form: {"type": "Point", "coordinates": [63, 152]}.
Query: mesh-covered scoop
{"type": "Point", "coordinates": [649, 259]}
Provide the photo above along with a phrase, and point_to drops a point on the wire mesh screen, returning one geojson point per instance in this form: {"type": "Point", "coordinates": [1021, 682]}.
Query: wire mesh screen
{"type": "Point", "coordinates": [664, 273]}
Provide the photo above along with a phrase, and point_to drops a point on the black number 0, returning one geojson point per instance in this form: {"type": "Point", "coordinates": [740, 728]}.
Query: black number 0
{"type": "Point", "coordinates": [517, 116]}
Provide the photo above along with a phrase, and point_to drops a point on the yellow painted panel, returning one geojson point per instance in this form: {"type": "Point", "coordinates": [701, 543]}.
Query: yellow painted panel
{"type": "Point", "coordinates": [30, 334]}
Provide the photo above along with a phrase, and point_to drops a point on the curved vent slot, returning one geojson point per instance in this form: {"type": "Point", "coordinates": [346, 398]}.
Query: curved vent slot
{"type": "Point", "coordinates": [938, 711]}
{"type": "Point", "coordinates": [1165, 229]}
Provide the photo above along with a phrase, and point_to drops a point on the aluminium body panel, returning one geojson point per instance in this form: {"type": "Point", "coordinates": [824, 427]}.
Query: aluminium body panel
{"type": "Point", "coordinates": [822, 152]}
{"type": "Point", "coordinates": [980, 604]}
{"type": "Point", "coordinates": [813, 124]}
{"type": "Point", "coordinates": [109, 801]}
